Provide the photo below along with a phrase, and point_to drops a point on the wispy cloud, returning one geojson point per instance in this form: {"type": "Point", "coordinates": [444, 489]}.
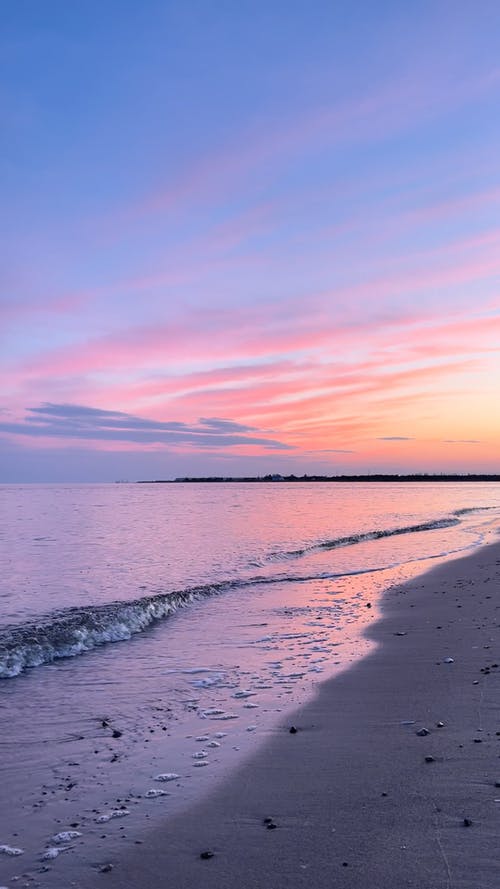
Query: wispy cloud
{"type": "Point", "coordinates": [80, 422]}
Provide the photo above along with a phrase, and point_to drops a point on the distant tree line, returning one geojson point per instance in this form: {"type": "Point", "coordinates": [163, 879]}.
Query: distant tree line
{"type": "Point", "coordinates": [373, 477]}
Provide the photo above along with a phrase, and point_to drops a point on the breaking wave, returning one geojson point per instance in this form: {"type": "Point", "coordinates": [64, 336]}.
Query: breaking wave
{"type": "Point", "coordinates": [73, 631]}
{"type": "Point", "coordinates": [352, 539]}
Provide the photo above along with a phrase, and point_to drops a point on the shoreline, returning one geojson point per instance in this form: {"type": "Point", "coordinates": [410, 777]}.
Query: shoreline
{"type": "Point", "coordinates": [351, 794]}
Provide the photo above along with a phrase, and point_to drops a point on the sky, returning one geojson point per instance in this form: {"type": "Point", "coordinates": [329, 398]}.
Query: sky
{"type": "Point", "coordinates": [249, 238]}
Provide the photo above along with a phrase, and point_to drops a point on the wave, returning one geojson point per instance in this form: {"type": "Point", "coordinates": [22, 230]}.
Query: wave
{"type": "Point", "coordinates": [73, 631]}
{"type": "Point", "coordinates": [468, 509]}
{"type": "Point", "coordinates": [353, 539]}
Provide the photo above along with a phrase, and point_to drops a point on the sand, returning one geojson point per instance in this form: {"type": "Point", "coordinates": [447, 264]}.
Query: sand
{"type": "Point", "coordinates": [353, 799]}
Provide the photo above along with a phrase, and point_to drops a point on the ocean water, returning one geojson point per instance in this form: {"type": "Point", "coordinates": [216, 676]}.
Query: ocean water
{"type": "Point", "coordinates": [166, 630]}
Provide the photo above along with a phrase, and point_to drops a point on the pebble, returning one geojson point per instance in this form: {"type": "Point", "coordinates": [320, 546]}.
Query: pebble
{"type": "Point", "coordinates": [430, 759]}
{"type": "Point", "coordinates": [105, 868]}
{"type": "Point", "coordinates": [293, 730]}
{"type": "Point", "coordinates": [207, 854]}
{"type": "Point", "coordinates": [440, 724]}
{"type": "Point", "coordinates": [422, 732]}
{"type": "Point", "coordinates": [448, 660]}
{"type": "Point", "coordinates": [467, 822]}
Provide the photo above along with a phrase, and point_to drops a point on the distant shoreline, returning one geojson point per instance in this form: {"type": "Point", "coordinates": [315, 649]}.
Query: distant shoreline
{"type": "Point", "coordinates": [374, 477]}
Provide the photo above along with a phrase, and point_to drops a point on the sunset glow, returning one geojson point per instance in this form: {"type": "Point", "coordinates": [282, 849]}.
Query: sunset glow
{"type": "Point", "coordinates": [249, 238]}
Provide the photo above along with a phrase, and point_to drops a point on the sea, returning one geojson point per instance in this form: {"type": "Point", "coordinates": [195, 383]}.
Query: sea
{"type": "Point", "coordinates": [154, 635]}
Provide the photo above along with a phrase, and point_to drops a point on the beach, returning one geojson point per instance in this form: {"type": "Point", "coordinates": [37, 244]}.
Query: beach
{"type": "Point", "coordinates": [360, 795]}
{"type": "Point", "coordinates": [127, 762]}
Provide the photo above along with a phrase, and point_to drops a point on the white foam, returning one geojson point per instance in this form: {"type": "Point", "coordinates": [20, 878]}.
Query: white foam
{"type": "Point", "coordinates": [52, 852]}
{"type": "Point", "coordinates": [200, 754]}
{"type": "Point", "coordinates": [202, 738]}
{"type": "Point", "coordinates": [198, 765]}
{"type": "Point", "coordinates": [65, 836]}
{"type": "Point", "coordinates": [220, 735]}
{"type": "Point", "coordinates": [153, 794]}
{"type": "Point", "coordinates": [243, 694]}
{"type": "Point", "coordinates": [193, 670]}
{"type": "Point", "coordinates": [115, 813]}
{"type": "Point", "coordinates": [208, 682]}
{"type": "Point", "coordinates": [213, 744]}
{"type": "Point", "coordinates": [166, 776]}
{"type": "Point", "coordinates": [251, 728]}
{"type": "Point", "coordinates": [250, 706]}
{"type": "Point", "coordinates": [10, 850]}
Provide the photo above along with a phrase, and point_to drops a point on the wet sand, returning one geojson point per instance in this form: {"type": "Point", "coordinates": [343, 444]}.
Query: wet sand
{"type": "Point", "coordinates": [349, 800]}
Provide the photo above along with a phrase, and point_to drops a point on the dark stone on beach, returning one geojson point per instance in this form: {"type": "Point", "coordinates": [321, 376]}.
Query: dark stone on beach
{"type": "Point", "coordinates": [271, 826]}
{"type": "Point", "coordinates": [105, 723]}
{"type": "Point", "coordinates": [400, 633]}
{"type": "Point", "coordinates": [267, 821]}
{"type": "Point", "coordinates": [497, 783]}
{"type": "Point", "coordinates": [116, 733]}
{"type": "Point", "coordinates": [105, 868]}
{"type": "Point", "coordinates": [75, 824]}
{"type": "Point", "coordinates": [207, 854]}
{"type": "Point", "coordinates": [293, 730]}
{"type": "Point", "coordinates": [422, 732]}
{"type": "Point", "coordinates": [384, 793]}
{"type": "Point", "coordinates": [368, 604]}
{"type": "Point", "coordinates": [478, 740]}
{"type": "Point", "coordinates": [345, 864]}
{"type": "Point", "coordinates": [467, 822]}
{"type": "Point", "coordinates": [430, 759]}
{"type": "Point", "coordinates": [440, 724]}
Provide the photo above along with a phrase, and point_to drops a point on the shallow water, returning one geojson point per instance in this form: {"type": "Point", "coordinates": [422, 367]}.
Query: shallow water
{"type": "Point", "coordinates": [284, 574]}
